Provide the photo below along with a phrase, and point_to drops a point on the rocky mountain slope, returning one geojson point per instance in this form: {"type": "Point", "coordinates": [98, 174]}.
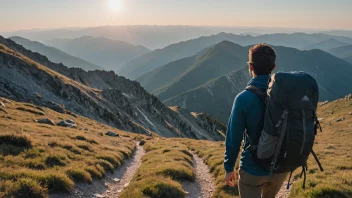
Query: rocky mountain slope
{"type": "Point", "coordinates": [216, 96]}
{"type": "Point", "coordinates": [152, 60]}
{"type": "Point", "coordinates": [55, 55]}
{"type": "Point", "coordinates": [103, 96]}
{"type": "Point", "coordinates": [108, 53]}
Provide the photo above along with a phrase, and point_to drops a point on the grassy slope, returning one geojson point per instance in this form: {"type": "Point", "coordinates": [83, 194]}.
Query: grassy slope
{"type": "Point", "coordinates": [333, 148]}
{"type": "Point", "coordinates": [48, 158]}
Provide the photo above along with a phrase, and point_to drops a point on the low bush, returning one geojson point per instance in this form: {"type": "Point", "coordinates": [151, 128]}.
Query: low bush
{"type": "Point", "coordinates": [56, 160]}
{"type": "Point", "coordinates": [25, 187]}
{"type": "Point", "coordinates": [79, 175]}
{"type": "Point", "coordinates": [18, 140]}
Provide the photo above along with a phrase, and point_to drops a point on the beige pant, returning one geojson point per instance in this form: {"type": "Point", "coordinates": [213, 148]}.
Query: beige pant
{"type": "Point", "coordinates": [251, 186]}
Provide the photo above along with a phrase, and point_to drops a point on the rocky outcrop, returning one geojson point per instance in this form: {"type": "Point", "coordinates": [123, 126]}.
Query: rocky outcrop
{"type": "Point", "coordinates": [104, 96]}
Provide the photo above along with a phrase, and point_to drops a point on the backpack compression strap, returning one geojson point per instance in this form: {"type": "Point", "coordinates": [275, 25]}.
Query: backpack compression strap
{"type": "Point", "coordinates": [260, 93]}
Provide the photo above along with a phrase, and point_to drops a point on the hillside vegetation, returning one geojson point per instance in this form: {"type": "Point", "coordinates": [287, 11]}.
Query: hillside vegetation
{"type": "Point", "coordinates": [39, 158]}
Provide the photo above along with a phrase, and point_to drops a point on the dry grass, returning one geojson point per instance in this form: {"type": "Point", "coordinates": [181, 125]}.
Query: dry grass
{"type": "Point", "coordinates": [165, 164]}
{"type": "Point", "coordinates": [333, 148]}
{"type": "Point", "coordinates": [39, 158]}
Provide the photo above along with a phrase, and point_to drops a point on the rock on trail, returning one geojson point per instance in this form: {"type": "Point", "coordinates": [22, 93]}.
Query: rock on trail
{"type": "Point", "coordinates": [203, 186]}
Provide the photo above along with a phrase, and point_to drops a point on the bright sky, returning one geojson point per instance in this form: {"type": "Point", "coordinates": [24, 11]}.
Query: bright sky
{"type": "Point", "coordinates": [43, 14]}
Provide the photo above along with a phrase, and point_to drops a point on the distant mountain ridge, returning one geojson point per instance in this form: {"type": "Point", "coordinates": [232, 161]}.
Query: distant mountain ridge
{"type": "Point", "coordinates": [108, 53]}
{"type": "Point", "coordinates": [154, 59]}
{"type": "Point", "coordinates": [344, 52]}
{"type": "Point", "coordinates": [30, 77]}
{"type": "Point", "coordinates": [214, 95]}
{"type": "Point", "coordinates": [326, 45]}
{"type": "Point", "coordinates": [55, 55]}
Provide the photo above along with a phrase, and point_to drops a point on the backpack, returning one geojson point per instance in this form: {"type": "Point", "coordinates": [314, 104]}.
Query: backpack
{"type": "Point", "coordinates": [290, 123]}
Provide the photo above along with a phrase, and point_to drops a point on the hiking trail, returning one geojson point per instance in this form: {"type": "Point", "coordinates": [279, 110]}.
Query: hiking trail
{"type": "Point", "coordinates": [283, 193]}
{"type": "Point", "coordinates": [112, 184]}
{"type": "Point", "coordinates": [203, 186]}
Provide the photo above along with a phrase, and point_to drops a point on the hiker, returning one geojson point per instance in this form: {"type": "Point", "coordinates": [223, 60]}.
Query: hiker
{"type": "Point", "coordinates": [247, 114]}
{"type": "Point", "coordinates": [276, 117]}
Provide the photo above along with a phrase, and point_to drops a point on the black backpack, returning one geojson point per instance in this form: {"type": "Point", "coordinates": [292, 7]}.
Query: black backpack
{"type": "Point", "coordinates": [290, 123]}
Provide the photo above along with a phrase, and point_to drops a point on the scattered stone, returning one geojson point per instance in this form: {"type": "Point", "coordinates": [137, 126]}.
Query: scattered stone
{"type": "Point", "coordinates": [126, 184]}
{"type": "Point", "coordinates": [113, 134]}
{"type": "Point", "coordinates": [3, 110]}
{"type": "Point", "coordinates": [149, 138]}
{"type": "Point", "coordinates": [67, 123]}
{"type": "Point", "coordinates": [71, 113]}
{"type": "Point", "coordinates": [58, 108]}
{"type": "Point", "coordinates": [106, 184]}
{"type": "Point", "coordinates": [31, 111]}
{"type": "Point", "coordinates": [186, 192]}
{"type": "Point", "coordinates": [348, 97]}
{"type": "Point", "coordinates": [350, 113]}
{"type": "Point", "coordinates": [2, 105]}
{"type": "Point", "coordinates": [141, 143]}
{"type": "Point", "coordinates": [4, 100]}
{"type": "Point", "coordinates": [41, 109]}
{"type": "Point", "coordinates": [116, 180]}
{"type": "Point", "coordinates": [99, 195]}
{"type": "Point", "coordinates": [324, 103]}
{"type": "Point", "coordinates": [119, 191]}
{"type": "Point", "coordinates": [46, 121]}
{"type": "Point", "coordinates": [84, 129]}
{"type": "Point", "coordinates": [70, 121]}
{"type": "Point", "coordinates": [320, 119]}
{"type": "Point", "coordinates": [340, 119]}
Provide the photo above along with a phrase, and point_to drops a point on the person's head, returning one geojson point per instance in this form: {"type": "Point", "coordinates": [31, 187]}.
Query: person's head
{"type": "Point", "coordinates": [261, 60]}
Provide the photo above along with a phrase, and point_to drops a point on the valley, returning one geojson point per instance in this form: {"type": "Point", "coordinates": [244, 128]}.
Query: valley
{"type": "Point", "coordinates": [71, 129]}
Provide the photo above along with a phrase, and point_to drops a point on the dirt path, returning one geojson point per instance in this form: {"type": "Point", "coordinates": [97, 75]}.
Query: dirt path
{"type": "Point", "coordinates": [203, 186]}
{"type": "Point", "coordinates": [283, 193]}
{"type": "Point", "coordinates": [112, 184]}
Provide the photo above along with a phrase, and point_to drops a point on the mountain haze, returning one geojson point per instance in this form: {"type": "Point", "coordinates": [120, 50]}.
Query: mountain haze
{"type": "Point", "coordinates": [154, 59]}
{"type": "Point", "coordinates": [326, 45]}
{"type": "Point", "coordinates": [55, 55]}
{"type": "Point", "coordinates": [108, 53]}
{"type": "Point", "coordinates": [30, 77]}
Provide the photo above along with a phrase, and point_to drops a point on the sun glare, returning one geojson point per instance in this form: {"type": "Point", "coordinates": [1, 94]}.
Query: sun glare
{"type": "Point", "coordinates": [115, 5]}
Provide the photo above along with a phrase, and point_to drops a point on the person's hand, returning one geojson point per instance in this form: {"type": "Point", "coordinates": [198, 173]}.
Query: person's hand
{"type": "Point", "coordinates": [230, 178]}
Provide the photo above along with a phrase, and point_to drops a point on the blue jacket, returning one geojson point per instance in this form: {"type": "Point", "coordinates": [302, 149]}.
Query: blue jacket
{"type": "Point", "coordinates": [247, 114]}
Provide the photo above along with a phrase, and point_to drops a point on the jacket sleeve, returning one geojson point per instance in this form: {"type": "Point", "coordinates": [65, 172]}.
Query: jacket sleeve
{"type": "Point", "coordinates": [234, 134]}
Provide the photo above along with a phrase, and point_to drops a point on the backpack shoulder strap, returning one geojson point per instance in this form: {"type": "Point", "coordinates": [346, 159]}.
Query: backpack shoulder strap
{"type": "Point", "coordinates": [260, 93]}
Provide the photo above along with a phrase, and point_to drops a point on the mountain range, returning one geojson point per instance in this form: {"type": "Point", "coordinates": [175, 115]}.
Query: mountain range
{"type": "Point", "coordinates": [108, 53]}
{"type": "Point", "coordinates": [55, 55]}
{"type": "Point", "coordinates": [154, 59]}
{"type": "Point", "coordinates": [209, 81]}
{"type": "Point", "coordinates": [326, 45]}
{"type": "Point", "coordinates": [344, 52]}
{"type": "Point", "coordinates": [103, 96]}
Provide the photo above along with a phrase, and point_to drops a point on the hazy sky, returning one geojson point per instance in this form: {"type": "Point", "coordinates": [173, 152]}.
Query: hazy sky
{"type": "Point", "coordinates": [319, 14]}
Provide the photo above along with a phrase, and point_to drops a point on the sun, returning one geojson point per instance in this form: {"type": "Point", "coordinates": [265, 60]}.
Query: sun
{"type": "Point", "coordinates": [115, 5]}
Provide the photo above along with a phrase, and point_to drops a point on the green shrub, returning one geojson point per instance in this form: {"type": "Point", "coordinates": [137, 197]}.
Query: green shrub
{"type": "Point", "coordinates": [79, 175]}
{"type": "Point", "coordinates": [34, 164]}
{"type": "Point", "coordinates": [8, 149]}
{"type": "Point", "coordinates": [16, 140]}
{"type": "Point", "coordinates": [94, 172]}
{"type": "Point", "coordinates": [159, 189]}
{"type": "Point", "coordinates": [56, 160]}
{"type": "Point", "coordinates": [25, 187]}
{"type": "Point", "coordinates": [84, 146]}
{"type": "Point", "coordinates": [106, 165]}
{"type": "Point", "coordinates": [110, 158]}
{"type": "Point", "coordinates": [56, 182]}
